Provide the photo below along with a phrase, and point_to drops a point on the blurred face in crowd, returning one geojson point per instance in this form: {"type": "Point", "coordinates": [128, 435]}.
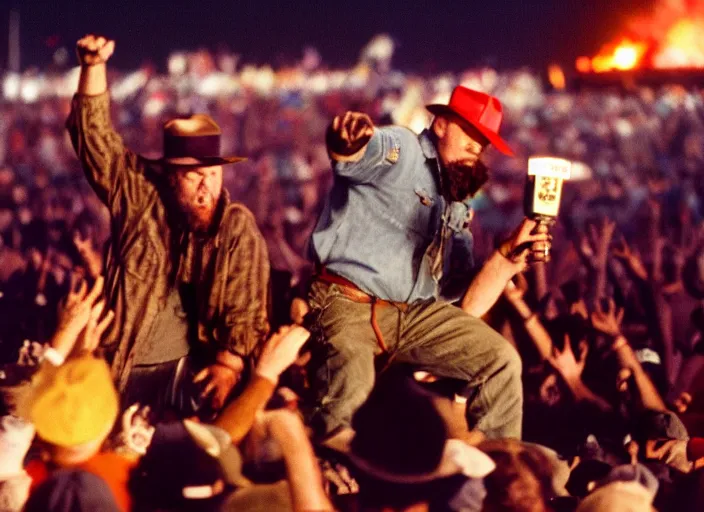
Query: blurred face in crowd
{"type": "Point", "coordinates": [6, 217]}
{"type": "Point", "coordinates": [459, 146]}
{"type": "Point", "coordinates": [197, 191]}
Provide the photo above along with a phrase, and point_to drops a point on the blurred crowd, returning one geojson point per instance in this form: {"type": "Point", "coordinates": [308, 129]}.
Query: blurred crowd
{"type": "Point", "coordinates": [610, 331]}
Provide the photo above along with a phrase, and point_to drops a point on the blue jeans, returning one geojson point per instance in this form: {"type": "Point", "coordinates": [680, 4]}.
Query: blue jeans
{"type": "Point", "coordinates": [432, 336]}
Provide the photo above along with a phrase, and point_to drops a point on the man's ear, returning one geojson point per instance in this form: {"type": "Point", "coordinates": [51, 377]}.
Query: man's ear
{"type": "Point", "coordinates": [440, 126]}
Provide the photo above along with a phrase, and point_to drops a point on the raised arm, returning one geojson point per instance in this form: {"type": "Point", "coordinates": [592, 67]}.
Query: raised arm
{"type": "Point", "coordinates": [93, 54]}
{"type": "Point", "coordinates": [100, 149]}
{"type": "Point", "coordinates": [511, 258]}
{"type": "Point", "coordinates": [278, 354]}
{"type": "Point", "coordinates": [608, 322]}
{"type": "Point", "coordinates": [602, 240]}
{"type": "Point", "coordinates": [358, 150]}
{"type": "Point", "coordinates": [535, 329]}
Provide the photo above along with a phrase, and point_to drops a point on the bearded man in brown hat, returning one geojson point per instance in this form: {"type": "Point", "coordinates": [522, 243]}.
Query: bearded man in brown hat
{"type": "Point", "coordinates": [187, 271]}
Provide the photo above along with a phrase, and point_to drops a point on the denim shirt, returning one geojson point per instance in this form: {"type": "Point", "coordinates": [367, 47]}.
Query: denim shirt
{"type": "Point", "coordinates": [386, 226]}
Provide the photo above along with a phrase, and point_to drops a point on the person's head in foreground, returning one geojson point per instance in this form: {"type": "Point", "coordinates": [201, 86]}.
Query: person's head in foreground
{"type": "Point", "coordinates": [73, 408]}
{"type": "Point", "coordinates": [188, 466]}
{"type": "Point", "coordinates": [401, 454]}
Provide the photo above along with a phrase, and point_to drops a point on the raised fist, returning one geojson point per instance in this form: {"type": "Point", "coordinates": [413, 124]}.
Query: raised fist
{"type": "Point", "coordinates": [349, 133]}
{"type": "Point", "coordinates": [92, 50]}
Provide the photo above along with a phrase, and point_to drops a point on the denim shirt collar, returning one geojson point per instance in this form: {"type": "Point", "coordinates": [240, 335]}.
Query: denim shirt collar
{"type": "Point", "coordinates": [427, 145]}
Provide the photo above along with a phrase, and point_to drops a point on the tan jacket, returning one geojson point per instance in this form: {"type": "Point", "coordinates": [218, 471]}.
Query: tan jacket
{"type": "Point", "coordinates": [147, 254]}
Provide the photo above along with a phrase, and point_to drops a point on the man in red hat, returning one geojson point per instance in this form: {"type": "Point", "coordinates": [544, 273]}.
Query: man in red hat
{"type": "Point", "coordinates": [395, 280]}
{"type": "Point", "coordinates": [187, 271]}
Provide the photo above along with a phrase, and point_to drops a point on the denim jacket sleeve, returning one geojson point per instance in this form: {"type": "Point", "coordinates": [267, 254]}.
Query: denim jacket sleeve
{"type": "Point", "coordinates": [380, 153]}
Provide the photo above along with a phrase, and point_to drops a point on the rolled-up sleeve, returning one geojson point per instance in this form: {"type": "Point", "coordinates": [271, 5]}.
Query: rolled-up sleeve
{"type": "Point", "coordinates": [381, 152]}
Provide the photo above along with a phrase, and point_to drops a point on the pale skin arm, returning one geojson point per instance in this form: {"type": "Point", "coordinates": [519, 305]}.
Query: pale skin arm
{"type": "Point", "coordinates": [304, 476]}
{"type": "Point", "coordinates": [649, 396]}
{"type": "Point", "coordinates": [490, 282]}
{"type": "Point", "coordinates": [531, 323]}
{"type": "Point", "coordinates": [93, 53]}
{"type": "Point", "coordinates": [280, 352]}
{"type": "Point", "coordinates": [488, 285]}
{"type": "Point", "coordinates": [571, 368]}
{"type": "Point", "coordinates": [608, 322]}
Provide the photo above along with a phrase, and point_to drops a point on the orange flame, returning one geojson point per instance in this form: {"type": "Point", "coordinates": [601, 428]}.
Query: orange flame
{"type": "Point", "coordinates": [621, 57]}
{"type": "Point", "coordinates": [683, 46]}
{"type": "Point", "coordinates": [672, 37]}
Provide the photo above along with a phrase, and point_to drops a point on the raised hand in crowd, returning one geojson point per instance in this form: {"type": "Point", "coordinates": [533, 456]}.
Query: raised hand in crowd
{"type": "Point", "coordinates": [93, 53]}
{"type": "Point", "coordinates": [571, 368]}
{"type": "Point", "coordinates": [92, 259]}
{"type": "Point", "coordinates": [281, 351]}
{"type": "Point", "coordinates": [136, 433]}
{"type": "Point", "coordinates": [93, 50]}
{"type": "Point", "coordinates": [632, 260]}
{"type": "Point", "coordinates": [539, 335]}
{"type": "Point", "coordinates": [569, 365]}
{"type": "Point", "coordinates": [607, 319]}
{"type": "Point", "coordinates": [80, 325]}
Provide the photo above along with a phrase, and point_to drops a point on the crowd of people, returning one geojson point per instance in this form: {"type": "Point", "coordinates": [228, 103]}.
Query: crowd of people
{"type": "Point", "coordinates": [609, 332]}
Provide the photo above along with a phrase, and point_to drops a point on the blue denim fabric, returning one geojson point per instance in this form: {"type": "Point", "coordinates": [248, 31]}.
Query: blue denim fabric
{"type": "Point", "coordinates": [387, 228]}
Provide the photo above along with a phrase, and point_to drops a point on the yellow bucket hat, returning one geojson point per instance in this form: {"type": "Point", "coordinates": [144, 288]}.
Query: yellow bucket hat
{"type": "Point", "coordinates": [72, 404]}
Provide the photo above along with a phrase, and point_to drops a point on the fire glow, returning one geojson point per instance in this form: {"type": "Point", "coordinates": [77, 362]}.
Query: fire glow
{"type": "Point", "coordinates": [671, 38]}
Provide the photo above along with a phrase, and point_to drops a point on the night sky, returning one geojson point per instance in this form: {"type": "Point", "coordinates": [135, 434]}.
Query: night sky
{"type": "Point", "coordinates": [433, 36]}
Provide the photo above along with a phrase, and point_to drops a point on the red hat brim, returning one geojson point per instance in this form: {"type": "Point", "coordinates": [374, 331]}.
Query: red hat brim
{"type": "Point", "coordinates": [493, 137]}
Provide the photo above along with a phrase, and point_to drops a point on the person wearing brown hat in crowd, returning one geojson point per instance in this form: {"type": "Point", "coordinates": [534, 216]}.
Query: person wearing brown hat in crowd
{"type": "Point", "coordinates": [187, 272]}
{"type": "Point", "coordinates": [394, 255]}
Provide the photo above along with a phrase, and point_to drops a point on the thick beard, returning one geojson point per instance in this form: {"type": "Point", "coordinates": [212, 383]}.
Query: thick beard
{"type": "Point", "coordinates": [462, 181]}
{"type": "Point", "coordinates": [197, 219]}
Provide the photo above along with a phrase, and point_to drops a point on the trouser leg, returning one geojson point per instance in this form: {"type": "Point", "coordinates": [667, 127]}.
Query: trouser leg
{"type": "Point", "coordinates": [443, 340]}
{"type": "Point", "coordinates": [342, 369]}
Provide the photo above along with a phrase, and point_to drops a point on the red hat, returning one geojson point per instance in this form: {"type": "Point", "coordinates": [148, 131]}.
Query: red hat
{"type": "Point", "coordinates": [482, 111]}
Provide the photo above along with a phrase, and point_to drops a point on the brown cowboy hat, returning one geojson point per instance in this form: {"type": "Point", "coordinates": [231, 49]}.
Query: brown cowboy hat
{"type": "Point", "coordinates": [193, 142]}
{"type": "Point", "coordinates": [482, 111]}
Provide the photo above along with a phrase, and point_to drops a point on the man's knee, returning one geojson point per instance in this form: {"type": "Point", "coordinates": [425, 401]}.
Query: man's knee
{"type": "Point", "coordinates": [509, 359]}
{"type": "Point", "coordinates": [503, 358]}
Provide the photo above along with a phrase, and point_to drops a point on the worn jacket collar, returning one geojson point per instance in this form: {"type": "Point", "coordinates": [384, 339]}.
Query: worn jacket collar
{"type": "Point", "coordinates": [427, 145]}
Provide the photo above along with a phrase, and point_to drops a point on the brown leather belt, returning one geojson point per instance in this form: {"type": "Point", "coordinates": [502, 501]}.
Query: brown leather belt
{"type": "Point", "coordinates": [352, 292]}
